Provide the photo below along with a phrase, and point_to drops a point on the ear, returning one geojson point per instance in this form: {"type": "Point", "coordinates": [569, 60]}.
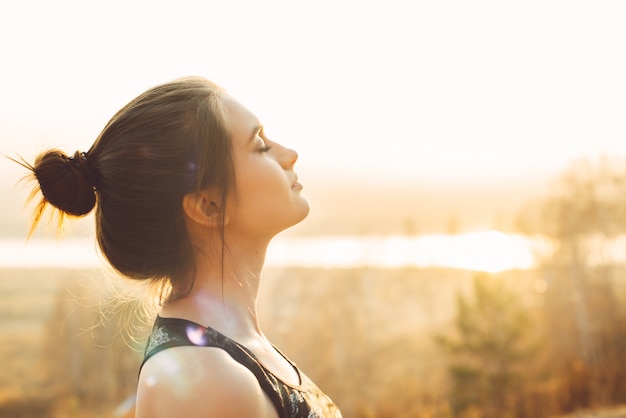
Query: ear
{"type": "Point", "coordinates": [202, 209]}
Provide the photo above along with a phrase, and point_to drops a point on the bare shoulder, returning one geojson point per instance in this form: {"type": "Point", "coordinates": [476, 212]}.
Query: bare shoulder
{"type": "Point", "coordinates": [199, 381]}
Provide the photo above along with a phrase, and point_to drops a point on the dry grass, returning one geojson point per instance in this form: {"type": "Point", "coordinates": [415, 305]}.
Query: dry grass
{"type": "Point", "coordinates": [617, 412]}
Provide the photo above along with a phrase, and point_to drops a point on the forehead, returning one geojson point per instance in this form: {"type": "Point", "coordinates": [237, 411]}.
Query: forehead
{"type": "Point", "coordinates": [242, 122]}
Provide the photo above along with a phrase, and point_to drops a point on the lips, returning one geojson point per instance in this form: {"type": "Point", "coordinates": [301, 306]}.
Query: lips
{"type": "Point", "coordinates": [295, 185]}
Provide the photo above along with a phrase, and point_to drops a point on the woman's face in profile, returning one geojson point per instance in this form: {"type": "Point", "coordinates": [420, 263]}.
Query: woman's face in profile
{"type": "Point", "coordinates": [267, 198]}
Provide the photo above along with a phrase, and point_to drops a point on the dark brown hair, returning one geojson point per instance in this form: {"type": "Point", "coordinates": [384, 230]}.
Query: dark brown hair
{"type": "Point", "coordinates": [170, 141]}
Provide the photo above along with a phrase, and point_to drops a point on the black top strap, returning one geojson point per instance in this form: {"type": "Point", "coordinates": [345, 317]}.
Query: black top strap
{"type": "Point", "coordinates": [305, 400]}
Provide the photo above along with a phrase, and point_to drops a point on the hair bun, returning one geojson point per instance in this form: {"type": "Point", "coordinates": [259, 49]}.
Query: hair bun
{"type": "Point", "coordinates": [65, 182]}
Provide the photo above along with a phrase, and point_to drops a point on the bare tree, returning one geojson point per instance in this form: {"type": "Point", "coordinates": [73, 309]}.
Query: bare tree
{"type": "Point", "coordinates": [583, 219]}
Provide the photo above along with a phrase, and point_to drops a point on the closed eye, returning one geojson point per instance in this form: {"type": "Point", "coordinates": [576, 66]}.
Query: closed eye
{"type": "Point", "coordinates": [264, 140]}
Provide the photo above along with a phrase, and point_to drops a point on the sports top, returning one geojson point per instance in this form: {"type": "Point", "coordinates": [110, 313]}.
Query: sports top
{"type": "Point", "coordinates": [305, 400]}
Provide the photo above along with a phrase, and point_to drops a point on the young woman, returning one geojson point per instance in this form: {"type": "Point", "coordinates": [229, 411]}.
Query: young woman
{"type": "Point", "coordinates": [188, 193]}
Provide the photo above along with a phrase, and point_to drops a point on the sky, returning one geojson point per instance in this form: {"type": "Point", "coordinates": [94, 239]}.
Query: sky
{"type": "Point", "coordinates": [387, 93]}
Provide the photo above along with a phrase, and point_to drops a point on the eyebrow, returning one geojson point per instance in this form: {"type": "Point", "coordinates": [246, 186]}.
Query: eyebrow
{"type": "Point", "coordinates": [255, 131]}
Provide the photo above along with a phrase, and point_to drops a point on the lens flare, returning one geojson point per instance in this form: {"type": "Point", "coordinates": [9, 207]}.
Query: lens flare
{"type": "Point", "coordinates": [196, 334]}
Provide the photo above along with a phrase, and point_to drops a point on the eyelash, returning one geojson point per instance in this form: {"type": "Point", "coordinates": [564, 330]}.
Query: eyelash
{"type": "Point", "coordinates": [266, 148]}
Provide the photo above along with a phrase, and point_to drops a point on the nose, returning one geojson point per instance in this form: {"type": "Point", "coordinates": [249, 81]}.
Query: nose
{"type": "Point", "coordinates": [288, 158]}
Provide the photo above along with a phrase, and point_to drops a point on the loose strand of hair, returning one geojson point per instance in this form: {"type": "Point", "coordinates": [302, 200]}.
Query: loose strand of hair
{"type": "Point", "coordinates": [40, 207]}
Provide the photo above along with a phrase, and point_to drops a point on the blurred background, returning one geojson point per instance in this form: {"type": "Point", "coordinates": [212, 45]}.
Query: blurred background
{"type": "Point", "coordinates": [466, 168]}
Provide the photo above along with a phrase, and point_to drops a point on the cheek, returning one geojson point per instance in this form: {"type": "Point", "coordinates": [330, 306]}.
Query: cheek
{"type": "Point", "coordinates": [263, 173]}
{"type": "Point", "coordinates": [259, 182]}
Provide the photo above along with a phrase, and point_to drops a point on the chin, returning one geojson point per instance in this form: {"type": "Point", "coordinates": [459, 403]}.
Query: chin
{"type": "Point", "coordinates": [302, 214]}
{"type": "Point", "coordinates": [305, 211]}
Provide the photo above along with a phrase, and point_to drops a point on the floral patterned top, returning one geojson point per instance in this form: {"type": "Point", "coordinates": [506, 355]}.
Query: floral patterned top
{"type": "Point", "coordinates": [305, 400]}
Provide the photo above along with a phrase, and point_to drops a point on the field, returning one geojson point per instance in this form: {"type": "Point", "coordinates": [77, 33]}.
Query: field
{"type": "Point", "coordinates": [336, 324]}
{"type": "Point", "coordinates": [366, 336]}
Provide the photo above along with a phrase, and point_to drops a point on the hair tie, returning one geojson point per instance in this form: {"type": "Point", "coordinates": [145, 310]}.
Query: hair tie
{"type": "Point", "coordinates": [79, 161]}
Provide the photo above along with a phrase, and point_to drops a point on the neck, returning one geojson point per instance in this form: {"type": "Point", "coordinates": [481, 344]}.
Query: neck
{"type": "Point", "coordinates": [225, 298]}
